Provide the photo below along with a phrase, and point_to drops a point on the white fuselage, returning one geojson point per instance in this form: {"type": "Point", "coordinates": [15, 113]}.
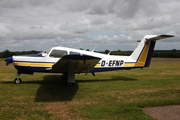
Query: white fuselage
{"type": "Point", "coordinates": [45, 60]}
{"type": "Point", "coordinates": [70, 61]}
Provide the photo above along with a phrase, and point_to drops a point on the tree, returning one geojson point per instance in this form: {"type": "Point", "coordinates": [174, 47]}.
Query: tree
{"type": "Point", "coordinates": [106, 51]}
{"type": "Point", "coordinates": [6, 53]}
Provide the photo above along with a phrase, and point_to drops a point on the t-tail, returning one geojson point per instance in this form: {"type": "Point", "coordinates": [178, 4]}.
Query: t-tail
{"type": "Point", "coordinates": [143, 53]}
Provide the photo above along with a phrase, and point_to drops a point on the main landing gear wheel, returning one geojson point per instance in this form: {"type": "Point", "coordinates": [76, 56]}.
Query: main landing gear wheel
{"type": "Point", "coordinates": [17, 80]}
{"type": "Point", "coordinates": [69, 84]}
{"type": "Point", "coordinates": [64, 76]}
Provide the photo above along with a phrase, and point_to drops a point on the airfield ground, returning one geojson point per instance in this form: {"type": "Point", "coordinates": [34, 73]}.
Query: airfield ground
{"type": "Point", "coordinates": [118, 95]}
{"type": "Point", "coordinates": [171, 112]}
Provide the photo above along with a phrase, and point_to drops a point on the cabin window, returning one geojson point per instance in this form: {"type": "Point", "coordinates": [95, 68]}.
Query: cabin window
{"type": "Point", "coordinates": [58, 53]}
{"type": "Point", "coordinates": [71, 52]}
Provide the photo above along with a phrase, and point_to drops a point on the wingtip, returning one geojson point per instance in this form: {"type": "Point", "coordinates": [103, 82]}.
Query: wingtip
{"type": "Point", "coordinates": [167, 35]}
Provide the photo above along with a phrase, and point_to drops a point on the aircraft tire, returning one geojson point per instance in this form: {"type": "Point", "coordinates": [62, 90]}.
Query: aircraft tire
{"type": "Point", "coordinates": [69, 84]}
{"type": "Point", "coordinates": [17, 80]}
{"type": "Point", "coordinates": [64, 76]}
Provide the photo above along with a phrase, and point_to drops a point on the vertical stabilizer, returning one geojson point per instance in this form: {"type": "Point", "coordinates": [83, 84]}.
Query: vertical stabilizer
{"type": "Point", "coordinates": [143, 53]}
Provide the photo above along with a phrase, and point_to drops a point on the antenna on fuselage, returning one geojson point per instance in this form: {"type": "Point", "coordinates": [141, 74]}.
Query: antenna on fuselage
{"type": "Point", "coordinates": [94, 49]}
{"type": "Point", "coordinates": [110, 52]}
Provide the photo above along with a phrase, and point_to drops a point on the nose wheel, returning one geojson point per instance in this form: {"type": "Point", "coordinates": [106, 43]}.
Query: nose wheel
{"type": "Point", "coordinates": [17, 80]}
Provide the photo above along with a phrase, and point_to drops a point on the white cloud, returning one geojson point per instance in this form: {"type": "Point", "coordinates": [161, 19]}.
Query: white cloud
{"type": "Point", "coordinates": [32, 24]}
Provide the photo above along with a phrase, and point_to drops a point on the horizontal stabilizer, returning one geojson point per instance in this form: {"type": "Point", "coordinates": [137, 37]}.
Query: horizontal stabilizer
{"type": "Point", "coordinates": [158, 37]}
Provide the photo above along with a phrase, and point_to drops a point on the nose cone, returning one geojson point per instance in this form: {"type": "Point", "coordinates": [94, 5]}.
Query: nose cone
{"type": "Point", "coordinates": [9, 60]}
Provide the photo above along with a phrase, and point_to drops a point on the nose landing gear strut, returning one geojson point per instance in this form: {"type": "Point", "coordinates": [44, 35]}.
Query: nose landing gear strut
{"type": "Point", "coordinates": [17, 80]}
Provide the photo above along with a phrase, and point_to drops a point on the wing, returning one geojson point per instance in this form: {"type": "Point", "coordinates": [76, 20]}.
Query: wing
{"type": "Point", "coordinates": [76, 63]}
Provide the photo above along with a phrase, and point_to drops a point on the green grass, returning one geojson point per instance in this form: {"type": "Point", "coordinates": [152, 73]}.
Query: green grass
{"type": "Point", "coordinates": [2, 59]}
{"type": "Point", "coordinates": [110, 95]}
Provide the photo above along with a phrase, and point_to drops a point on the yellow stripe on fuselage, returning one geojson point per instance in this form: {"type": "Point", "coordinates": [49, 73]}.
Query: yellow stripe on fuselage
{"type": "Point", "coordinates": [98, 65]}
{"type": "Point", "coordinates": [29, 64]}
{"type": "Point", "coordinates": [142, 59]}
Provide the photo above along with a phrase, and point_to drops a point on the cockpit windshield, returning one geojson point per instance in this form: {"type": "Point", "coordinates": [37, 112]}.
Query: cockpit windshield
{"type": "Point", "coordinates": [44, 53]}
{"type": "Point", "coordinates": [57, 53]}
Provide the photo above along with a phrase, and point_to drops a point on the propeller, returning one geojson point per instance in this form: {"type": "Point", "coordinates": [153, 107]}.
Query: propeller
{"type": "Point", "coordinates": [8, 60]}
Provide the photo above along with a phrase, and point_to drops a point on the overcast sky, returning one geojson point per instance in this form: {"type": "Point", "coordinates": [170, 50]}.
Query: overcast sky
{"type": "Point", "coordinates": [104, 24]}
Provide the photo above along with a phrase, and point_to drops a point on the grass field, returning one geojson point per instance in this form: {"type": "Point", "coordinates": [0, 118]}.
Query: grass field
{"type": "Point", "coordinates": [111, 95]}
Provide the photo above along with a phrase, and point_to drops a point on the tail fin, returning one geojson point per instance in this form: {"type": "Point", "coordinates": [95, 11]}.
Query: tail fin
{"type": "Point", "coordinates": [143, 53]}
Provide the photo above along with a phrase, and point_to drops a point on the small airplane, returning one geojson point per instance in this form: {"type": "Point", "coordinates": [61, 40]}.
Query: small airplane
{"type": "Point", "coordinates": [69, 61]}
